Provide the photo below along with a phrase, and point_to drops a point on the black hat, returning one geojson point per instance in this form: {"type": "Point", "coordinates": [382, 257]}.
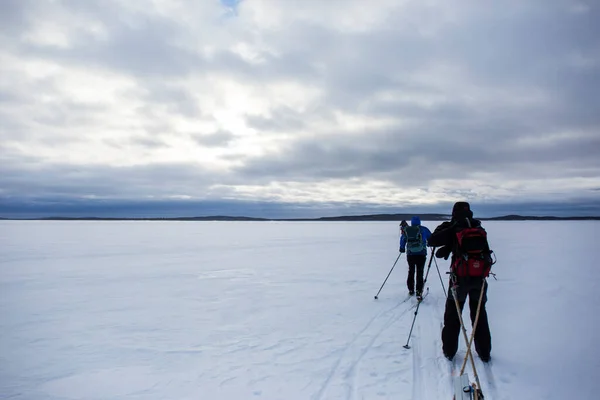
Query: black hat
{"type": "Point", "coordinates": [461, 209]}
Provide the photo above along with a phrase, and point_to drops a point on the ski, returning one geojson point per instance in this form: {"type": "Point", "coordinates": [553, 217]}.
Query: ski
{"type": "Point", "coordinates": [462, 388]}
{"type": "Point", "coordinates": [465, 390]}
{"type": "Point", "coordinates": [451, 371]}
{"type": "Point", "coordinates": [487, 366]}
{"type": "Point", "coordinates": [491, 380]}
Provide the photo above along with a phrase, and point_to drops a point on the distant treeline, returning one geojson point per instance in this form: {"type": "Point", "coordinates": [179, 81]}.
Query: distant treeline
{"type": "Point", "coordinates": [373, 217]}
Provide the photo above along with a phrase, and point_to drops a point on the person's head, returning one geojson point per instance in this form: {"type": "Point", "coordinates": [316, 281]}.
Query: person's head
{"type": "Point", "coordinates": [414, 221]}
{"type": "Point", "coordinates": [461, 209]}
{"type": "Point", "coordinates": [403, 223]}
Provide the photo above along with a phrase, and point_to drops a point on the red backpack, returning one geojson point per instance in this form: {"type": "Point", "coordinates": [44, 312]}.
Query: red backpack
{"type": "Point", "coordinates": [473, 255]}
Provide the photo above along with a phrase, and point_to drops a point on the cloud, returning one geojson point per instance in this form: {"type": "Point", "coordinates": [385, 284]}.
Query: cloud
{"type": "Point", "coordinates": [216, 139]}
{"type": "Point", "coordinates": [413, 103]}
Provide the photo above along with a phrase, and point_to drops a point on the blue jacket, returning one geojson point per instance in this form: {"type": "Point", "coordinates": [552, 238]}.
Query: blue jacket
{"type": "Point", "coordinates": [425, 234]}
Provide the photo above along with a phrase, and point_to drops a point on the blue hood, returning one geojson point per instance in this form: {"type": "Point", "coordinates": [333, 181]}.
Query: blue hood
{"type": "Point", "coordinates": [415, 221]}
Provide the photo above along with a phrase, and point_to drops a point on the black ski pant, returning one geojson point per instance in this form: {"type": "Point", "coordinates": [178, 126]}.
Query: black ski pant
{"type": "Point", "coordinates": [416, 262]}
{"type": "Point", "coordinates": [471, 288]}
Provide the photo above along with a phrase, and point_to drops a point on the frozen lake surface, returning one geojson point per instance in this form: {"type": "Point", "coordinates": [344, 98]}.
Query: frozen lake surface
{"type": "Point", "coordinates": [281, 310]}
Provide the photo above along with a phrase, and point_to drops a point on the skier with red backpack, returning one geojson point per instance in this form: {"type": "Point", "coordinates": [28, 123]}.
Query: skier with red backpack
{"type": "Point", "coordinates": [414, 239]}
{"type": "Point", "coordinates": [466, 240]}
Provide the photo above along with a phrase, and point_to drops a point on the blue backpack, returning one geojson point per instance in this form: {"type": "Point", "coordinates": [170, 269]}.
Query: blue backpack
{"type": "Point", "coordinates": [414, 239]}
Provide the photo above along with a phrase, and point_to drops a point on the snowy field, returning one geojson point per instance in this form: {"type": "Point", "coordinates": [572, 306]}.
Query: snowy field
{"type": "Point", "coordinates": [282, 310]}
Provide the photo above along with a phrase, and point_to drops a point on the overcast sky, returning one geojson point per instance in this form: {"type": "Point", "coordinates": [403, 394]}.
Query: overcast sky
{"type": "Point", "coordinates": [336, 105]}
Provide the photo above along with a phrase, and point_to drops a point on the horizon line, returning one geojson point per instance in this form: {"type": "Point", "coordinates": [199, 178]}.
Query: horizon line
{"type": "Point", "coordinates": [361, 217]}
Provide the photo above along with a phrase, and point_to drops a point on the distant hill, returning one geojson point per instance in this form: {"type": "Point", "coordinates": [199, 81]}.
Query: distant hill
{"type": "Point", "coordinates": [386, 217]}
{"type": "Point", "coordinates": [372, 217]}
{"type": "Point", "coordinates": [210, 218]}
{"type": "Point", "coordinates": [532, 218]}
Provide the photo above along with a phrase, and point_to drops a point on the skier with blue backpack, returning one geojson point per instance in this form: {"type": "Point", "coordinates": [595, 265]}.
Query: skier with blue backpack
{"type": "Point", "coordinates": [413, 241]}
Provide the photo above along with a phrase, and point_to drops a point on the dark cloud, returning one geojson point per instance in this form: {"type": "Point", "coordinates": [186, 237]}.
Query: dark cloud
{"type": "Point", "coordinates": [515, 51]}
{"type": "Point", "coordinates": [176, 100]}
{"type": "Point", "coordinates": [149, 142]}
{"type": "Point", "coordinates": [11, 207]}
{"type": "Point", "coordinates": [144, 50]}
{"type": "Point", "coordinates": [13, 16]}
{"type": "Point", "coordinates": [68, 113]}
{"type": "Point", "coordinates": [215, 139]}
{"type": "Point", "coordinates": [33, 178]}
{"type": "Point", "coordinates": [8, 97]}
{"type": "Point", "coordinates": [446, 149]}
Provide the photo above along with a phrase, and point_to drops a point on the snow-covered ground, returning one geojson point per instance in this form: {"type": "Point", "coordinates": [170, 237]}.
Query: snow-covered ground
{"type": "Point", "coordinates": [282, 310]}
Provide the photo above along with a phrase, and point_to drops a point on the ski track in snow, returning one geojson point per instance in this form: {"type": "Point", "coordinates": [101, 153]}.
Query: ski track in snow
{"type": "Point", "coordinates": [417, 382]}
{"type": "Point", "coordinates": [429, 367]}
{"type": "Point", "coordinates": [488, 381]}
{"type": "Point", "coordinates": [353, 352]}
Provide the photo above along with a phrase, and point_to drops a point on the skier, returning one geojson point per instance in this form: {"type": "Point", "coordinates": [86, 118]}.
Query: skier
{"type": "Point", "coordinates": [445, 237]}
{"type": "Point", "coordinates": [415, 238]}
{"type": "Point", "coordinates": [403, 225]}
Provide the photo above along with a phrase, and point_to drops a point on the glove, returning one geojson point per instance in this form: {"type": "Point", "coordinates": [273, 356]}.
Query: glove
{"type": "Point", "coordinates": [402, 250]}
{"type": "Point", "coordinates": [443, 252]}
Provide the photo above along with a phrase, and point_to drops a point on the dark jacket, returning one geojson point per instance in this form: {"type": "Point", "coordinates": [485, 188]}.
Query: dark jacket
{"type": "Point", "coordinates": [444, 235]}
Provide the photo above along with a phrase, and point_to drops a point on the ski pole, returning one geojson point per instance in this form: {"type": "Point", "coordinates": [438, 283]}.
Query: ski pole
{"type": "Point", "coordinates": [406, 346]}
{"type": "Point", "coordinates": [388, 275]}
{"type": "Point", "coordinates": [462, 368]}
{"type": "Point", "coordinates": [428, 266]}
{"type": "Point", "coordinates": [469, 355]}
{"type": "Point", "coordinates": [441, 280]}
